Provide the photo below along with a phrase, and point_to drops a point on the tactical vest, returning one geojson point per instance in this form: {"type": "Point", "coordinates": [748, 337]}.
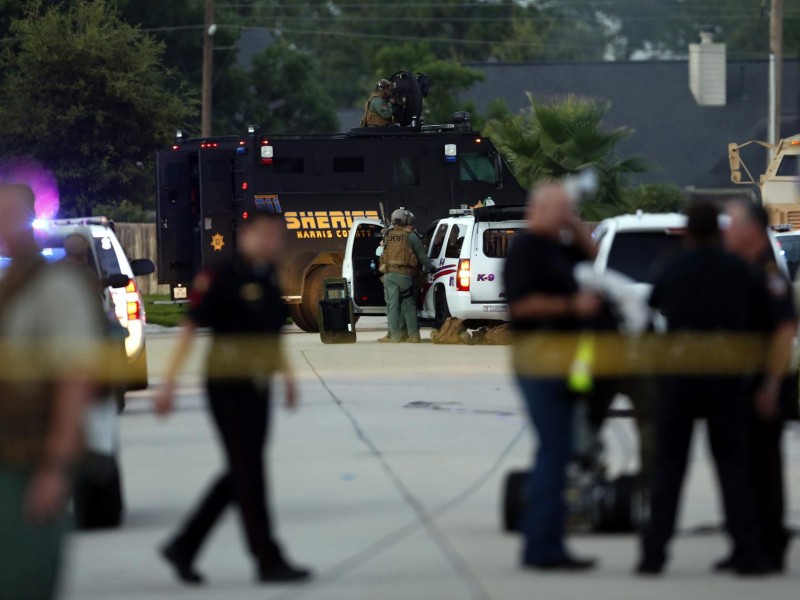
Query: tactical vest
{"type": "Point", "coordinates": [371, 118]}
{"type": "Point", "coordinates": [398, 257]}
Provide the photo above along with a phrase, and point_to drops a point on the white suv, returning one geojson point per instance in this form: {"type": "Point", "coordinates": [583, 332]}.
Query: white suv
{"type": "Point", "coordinates": [111, 258]}
{"type": "Point", "coordinates": [634, 244]}
{"type": "Point", "coordinates": [468, 250]}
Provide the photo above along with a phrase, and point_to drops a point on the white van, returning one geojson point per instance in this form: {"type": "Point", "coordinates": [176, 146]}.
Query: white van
{"type": "Point", "coordinates": [468, 249]}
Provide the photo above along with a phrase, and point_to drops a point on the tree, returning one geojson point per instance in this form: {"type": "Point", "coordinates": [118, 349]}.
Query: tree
{"type": "Point", "coordinates": [87, 95]}
{"type": "Point", "coordinates": [287, 94]}
{"type": "Point", "coordinates": [657, 197]}
{"type": "Point", "coordinates": [556, 139]}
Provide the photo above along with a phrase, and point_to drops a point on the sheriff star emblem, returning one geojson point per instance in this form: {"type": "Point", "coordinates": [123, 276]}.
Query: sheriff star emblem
{"type": "Point", "coordinates": [217, 242]}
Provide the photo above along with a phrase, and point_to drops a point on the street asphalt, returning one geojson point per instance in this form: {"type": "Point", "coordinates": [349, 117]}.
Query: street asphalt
{"type": "Point", "coordinates": [384, 499]}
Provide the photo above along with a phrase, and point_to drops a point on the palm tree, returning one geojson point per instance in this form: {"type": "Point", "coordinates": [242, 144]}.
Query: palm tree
{"type": "Point", "coordinates": [556, 139]}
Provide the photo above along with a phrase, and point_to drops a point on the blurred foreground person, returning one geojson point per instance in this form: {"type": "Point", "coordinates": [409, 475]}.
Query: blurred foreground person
{"type": "Point", "coordinates": [48, 327]}
{"type": "Point", "coordinates": [772, 396]}
{"type": "Point", "coordinates": [703, 290]}
{"type": "Point", "coordinates": [543, 297]}
{"type": "Point", "coordinates": [241, 303]}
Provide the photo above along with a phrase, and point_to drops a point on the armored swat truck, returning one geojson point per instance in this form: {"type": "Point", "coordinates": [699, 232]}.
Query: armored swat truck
{"type": "Point", "coordinates": [207, 187]}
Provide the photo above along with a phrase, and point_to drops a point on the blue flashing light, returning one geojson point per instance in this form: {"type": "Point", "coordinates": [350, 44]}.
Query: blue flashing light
{"type": "Point", "coordinates": [241, 150]}
{"type": "Point", "coordinates": [450, 159]}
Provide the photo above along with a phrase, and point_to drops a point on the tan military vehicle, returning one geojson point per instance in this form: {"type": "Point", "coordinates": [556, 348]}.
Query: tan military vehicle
{"type": "Point", "coordinates": [780, 184]}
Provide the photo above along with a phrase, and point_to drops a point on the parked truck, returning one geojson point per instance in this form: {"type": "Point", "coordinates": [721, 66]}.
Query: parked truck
{"type": "Point", "coordinates": [779, 184]}
{"type": "Point", "coordinates": [208, 187]}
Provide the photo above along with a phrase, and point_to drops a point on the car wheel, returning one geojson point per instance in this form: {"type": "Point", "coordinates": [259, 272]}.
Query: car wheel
{"type": "Point", "coordinates": [137, 373]}
{"type": "Point", "coordinates": [97, 492]}
{"type": "Point", "coordinates": [440, 309]}
{"type": "Point", "coordinates": [514, 499]}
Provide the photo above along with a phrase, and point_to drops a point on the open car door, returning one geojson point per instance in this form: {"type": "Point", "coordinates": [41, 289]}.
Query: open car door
{"type": "Point", "coordinates": [360, 267]}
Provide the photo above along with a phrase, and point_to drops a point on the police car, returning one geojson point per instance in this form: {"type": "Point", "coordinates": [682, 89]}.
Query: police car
{"type": "Point", "coordinates": [468, 249]}
{"type": "Point", "coordinates": [111, 260]}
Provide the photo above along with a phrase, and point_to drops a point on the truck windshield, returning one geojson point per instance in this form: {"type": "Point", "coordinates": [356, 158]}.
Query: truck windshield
{"type": "Point", "coordinates": [636, 253]}
{"type": "Point", "coordinates": [477, 167]}
{"type": "Point", "coordinates": [790, 166]}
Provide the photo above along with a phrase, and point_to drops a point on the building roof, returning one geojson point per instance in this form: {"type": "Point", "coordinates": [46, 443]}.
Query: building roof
{"type": "Point", "coordinates": [685, 143]}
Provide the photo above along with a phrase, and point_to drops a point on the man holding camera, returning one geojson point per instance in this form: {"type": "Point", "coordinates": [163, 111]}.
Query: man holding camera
{"type": "Point", "coordinates": [380, 106]}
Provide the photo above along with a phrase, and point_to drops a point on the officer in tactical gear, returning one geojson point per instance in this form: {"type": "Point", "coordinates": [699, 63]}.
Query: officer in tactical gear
{"type": "Point", "coordinates": [402, 260]}
{"type": "Point", "coordinates": [380, 106]}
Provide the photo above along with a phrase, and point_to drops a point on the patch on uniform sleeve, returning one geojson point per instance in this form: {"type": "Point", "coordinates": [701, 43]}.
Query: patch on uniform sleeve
{"type": "Point", "coordinates": [777, 285]}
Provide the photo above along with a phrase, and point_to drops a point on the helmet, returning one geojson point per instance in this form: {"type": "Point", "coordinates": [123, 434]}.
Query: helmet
{"type": "Point", "coordinates": [402, 217]}
{"type": "Point", "coordinates": [384, 84]}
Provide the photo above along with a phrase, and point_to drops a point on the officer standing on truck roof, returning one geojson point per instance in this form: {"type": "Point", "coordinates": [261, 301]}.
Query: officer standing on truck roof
{"type": "Point", "coordinates": [402, 259]}
{"type": "Point", "coordinates": [380, 106]}
{"type": "Point", "coordinates": [707, 296]}
{"type": "Point", "coordinates": [772, 394]}
{"type": "Point", "coordinates": [241, 303]}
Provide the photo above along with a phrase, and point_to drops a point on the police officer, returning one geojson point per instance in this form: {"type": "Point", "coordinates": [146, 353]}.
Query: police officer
{"type": "Point", "coordinates": [771, 393]}
{"type": "Point", "coordinates": [545, 302]}
{"type": "Point", "coordinates": [402, 259]}
{"type": "Point", "coordinates": [380, 106]}
{"type": "Point", "coordinates": [241, 303]}
{"type": "Point", "coordinates": [706, 295]}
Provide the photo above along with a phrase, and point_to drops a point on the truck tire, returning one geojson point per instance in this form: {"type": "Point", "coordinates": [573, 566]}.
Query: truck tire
{"type": "Point", "coordinates": [440, 310]}
{"type": "Point", "coordinates": [296, 312]}
{"type": "Point", "coordinates": [313, 292]}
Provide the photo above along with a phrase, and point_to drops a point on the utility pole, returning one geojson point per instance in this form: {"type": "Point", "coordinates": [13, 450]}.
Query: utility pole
{"type": "Point", "coordinates": [775, 60]}
{"type": "Point", "coordinates": [208, 68]}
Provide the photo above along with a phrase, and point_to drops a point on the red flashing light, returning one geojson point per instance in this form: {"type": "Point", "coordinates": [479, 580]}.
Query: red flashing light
{"type": "Point", "coordinates": [244, 185]}
{"type": "Point", "coordinates": [176, 147]}
{"type": "Point", "coordinates": [242, 143]}
{"type": "Point", "coordinates": [463, 275]}
{"type": "Point", "coordinates": [266, 161]}
{"type": "Point", "coordinates": [209, 145]}
{"type": "Point", "coordinates": [478, 140]}
{"type": "Point", "coordinates": [134, 307]}
{"type": "Point", "coordinates": [265, 142]}
{"type": "Point", "coordinates": [245, 215]}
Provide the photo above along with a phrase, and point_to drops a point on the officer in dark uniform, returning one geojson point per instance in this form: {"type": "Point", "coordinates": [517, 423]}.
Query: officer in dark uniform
{"type": "Point", "coordinates": [773, 393]}
{"type": "Point", "coordinates": [241, 303]}
{"type": "Point", "coordinates": [702, 290]}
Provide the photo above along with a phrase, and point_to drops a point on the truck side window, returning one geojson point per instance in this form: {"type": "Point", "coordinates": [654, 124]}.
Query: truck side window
{"type": "Point", "coordinates": [348, 164]}
{"type": "Point", "coordinates": [454, 241]}
{"type": "Point", "coordinates": [477, 167]}
{"type": "Point", "coordinates": [438, 241]}
{"type": "Point", "coordinates": [288, 164]}
{"type": "Point", "coordinates": [405, 171]}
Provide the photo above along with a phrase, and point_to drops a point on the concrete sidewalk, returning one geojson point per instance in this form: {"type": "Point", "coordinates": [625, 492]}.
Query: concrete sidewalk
{"type": "Point", "coordinates": [384, 500]}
